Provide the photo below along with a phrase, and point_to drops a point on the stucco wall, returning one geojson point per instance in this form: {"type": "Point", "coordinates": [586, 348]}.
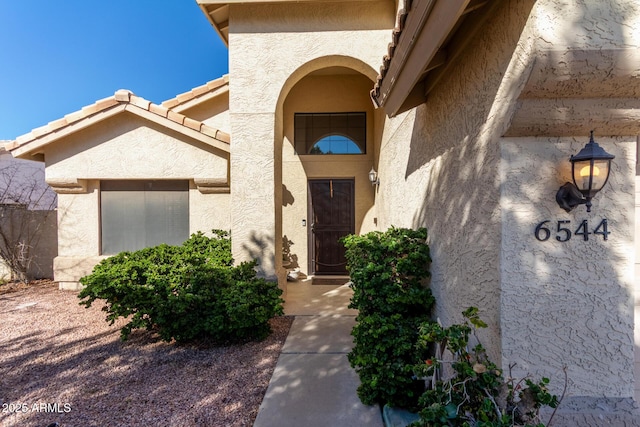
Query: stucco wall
{"type": "Point", "coordinates": [24, 179]}
{"type": "Point", "coordinates": [439, 166]}
{"type": "Point", "coordinates": [78, 235]}
{"type": "Point", "coordinates": [587, 24]}
{"type": "Point", "coordinates": [126, 147]}
{"type": "Point", "coordinates": [547, 304]}
{"type": "Point", "coordinates": [582, 313]}
{"type": "Point", "coordinates": [577, 295]}
{"type": "Point", "coordinates": [271, 47]}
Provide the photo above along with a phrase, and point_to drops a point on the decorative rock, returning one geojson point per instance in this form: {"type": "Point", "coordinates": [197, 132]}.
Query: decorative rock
{"type": "Point", "coordinates": [396, 417]}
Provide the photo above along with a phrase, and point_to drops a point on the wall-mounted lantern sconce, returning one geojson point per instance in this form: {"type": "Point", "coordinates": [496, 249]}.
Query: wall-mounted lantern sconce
{"type": "Point", "coordinates": [590, 170]}
{"type": "Point", "coordinates": [373, 177]}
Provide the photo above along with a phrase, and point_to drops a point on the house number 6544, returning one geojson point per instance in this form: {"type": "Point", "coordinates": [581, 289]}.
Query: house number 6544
{"type": "Point", "coordinates": [563, 231]}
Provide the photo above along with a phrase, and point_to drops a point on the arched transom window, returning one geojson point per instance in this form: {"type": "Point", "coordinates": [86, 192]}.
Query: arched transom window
{"type": "Point", "coordinates": [330, 133]}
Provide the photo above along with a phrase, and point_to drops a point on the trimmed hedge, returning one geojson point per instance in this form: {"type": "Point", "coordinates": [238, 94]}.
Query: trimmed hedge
{"type": "Point", "coordinates": [388, 271]}
{"type": "Point", "coordinates": [185, 292]}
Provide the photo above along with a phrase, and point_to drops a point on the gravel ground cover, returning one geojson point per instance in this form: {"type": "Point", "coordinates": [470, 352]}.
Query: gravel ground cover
{"type": "Point", "coordinates": [61, 362]}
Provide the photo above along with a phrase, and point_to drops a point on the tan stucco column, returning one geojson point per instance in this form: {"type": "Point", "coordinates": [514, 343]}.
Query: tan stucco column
{"type": "Point", "coordinates": [253, 223]}
{"type": "Point", "coordinates": [78, 231]}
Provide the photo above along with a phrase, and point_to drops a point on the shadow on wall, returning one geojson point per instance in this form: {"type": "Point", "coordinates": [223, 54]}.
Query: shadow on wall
{"type": "Point", "coordinates": [287, 196]}
{"type": "Point", "coordinates": [454, 159]}
{"type": "Point", "coordinates": [46, 247]}
{"type": "Point", "coordinates": [579, 280]}
{"type": "Point", "coordinates": [260, 247]}
{"type": "Point", "coordinates": [482, 218]}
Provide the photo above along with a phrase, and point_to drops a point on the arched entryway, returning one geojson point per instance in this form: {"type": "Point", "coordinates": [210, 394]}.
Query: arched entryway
{"type": "Point", "coordinates": [329, 142]}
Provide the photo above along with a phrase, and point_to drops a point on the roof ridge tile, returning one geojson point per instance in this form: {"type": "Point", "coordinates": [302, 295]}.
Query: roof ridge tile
{"type": "Point", "coordinates": [119, 97]}
{"type": "Point", "coordinates": [193, 124]}
{"type": "Point", "coordinates": [158, 109]}
{"type": "Point", "coordinates": [57, 124]}
{"type": "Point", "coordinates": [216, 133]}
{"type": "Point", "coordinates": [122, 95]}
{"type": "Point", "coordinates": [139, 102]}
{"type": "Point", "coordinates": [201, 90]}
{"type": "Point", "coordinates": [42, 130]}
{"type": "Point", "coordinates": [176, 117]}
{"type": "Point", "coordinates": [401, 19]}
{"type": "Point", "coordinates": [196, 92]}
{"type": "Point", "coordinates": [74, 116]}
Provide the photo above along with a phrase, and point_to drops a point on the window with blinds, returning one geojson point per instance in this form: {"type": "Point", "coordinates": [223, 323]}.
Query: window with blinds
{"type": "Point", "coordinates": [137, 214]}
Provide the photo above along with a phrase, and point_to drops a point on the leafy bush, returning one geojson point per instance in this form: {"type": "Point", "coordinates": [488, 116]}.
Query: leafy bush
{"type": "Point", "coordinates": [387, 271]}
{"type": "Point", "coordinates": [185, 292]}
{"type": "Point", "coordinates": [476, 394]}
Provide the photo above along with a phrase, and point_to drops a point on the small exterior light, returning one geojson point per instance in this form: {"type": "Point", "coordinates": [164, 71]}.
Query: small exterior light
{"type": "Point", "coordinates": [373, 177]}
{"type": "Point", "coordinates": [590, 170]}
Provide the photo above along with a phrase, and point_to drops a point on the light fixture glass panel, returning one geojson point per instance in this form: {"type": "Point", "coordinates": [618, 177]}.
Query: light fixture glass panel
{"type": "Point", "coordinates": [600, 174]}
{"type": "Point", "coordinates": [373, 176]}
{"type": "Point", "coordinates": [581, 173]}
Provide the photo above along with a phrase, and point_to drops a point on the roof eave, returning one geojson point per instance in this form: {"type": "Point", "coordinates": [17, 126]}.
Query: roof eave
{"type": "Point", "coordinates": [217, 14]}
{"type": "Point", "coordinates": [416, 49]}
{"type": "Point", "coordinates": [30, 146]}
{"type": "Point", "coordinates": [33, 148]}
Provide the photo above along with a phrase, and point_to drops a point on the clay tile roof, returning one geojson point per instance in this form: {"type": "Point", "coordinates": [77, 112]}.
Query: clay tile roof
{"type": "Point", "coordinates": [197, 92]}
{"type": "Point", "coordinates": [395, 38]}
{"type": "Point", "coordinates": [123, 99]}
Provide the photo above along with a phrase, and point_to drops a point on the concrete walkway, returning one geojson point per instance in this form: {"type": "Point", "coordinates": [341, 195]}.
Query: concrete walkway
{"type": "Point", "coordinates": [313, 384]}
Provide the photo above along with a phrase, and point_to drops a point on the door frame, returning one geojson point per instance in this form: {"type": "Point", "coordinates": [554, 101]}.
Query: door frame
{"type": "Point", "coordinates": [310, 234]}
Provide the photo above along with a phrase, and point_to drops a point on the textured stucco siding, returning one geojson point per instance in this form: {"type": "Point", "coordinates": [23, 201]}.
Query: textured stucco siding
{"type": "Point", "coordinates": [268, 43]}
{"type": "Point", "coordinates": [548, 304]}
{"type": "Point", "coordinates": [580, 313]}
{"type": "Point", "coordinates": [79, 222]}
{"type": "Point", "coordinates": [37, 231]}
{"type": "Point", "coordinates": [252, 199]}
{"type": "Point", "coordinates": [126, 147]}
{"type": "Point", "coordinates": [20, 176]}
{"type": "Point", "coordinates": [577, 295]}
{"type": "Point", "coordinates": [78, 235]}
{"type": "Point", "coordinates": [209, 211]}
{"type": "Point", "coordinates": [439, 165]}
{"type": "Point", "coordinates": [587, 24]}
{"type": "Point", "coordinates": [271, 47]}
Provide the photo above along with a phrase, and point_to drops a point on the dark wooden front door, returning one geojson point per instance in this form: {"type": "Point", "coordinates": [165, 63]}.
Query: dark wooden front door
{"type": "Point", "coordinates": [332, 217]}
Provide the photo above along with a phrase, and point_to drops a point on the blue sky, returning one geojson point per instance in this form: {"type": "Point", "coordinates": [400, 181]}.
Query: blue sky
{"type": "Point", "coordinates": [58, 56]}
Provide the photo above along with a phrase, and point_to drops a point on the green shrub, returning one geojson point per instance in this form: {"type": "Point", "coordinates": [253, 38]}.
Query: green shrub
{"type": "Point", "coordinates": [476, 394]}
{"type": "Point", "coordinates": [387, 273]}
{"type": "Point", "coordinates": [185, 292]}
